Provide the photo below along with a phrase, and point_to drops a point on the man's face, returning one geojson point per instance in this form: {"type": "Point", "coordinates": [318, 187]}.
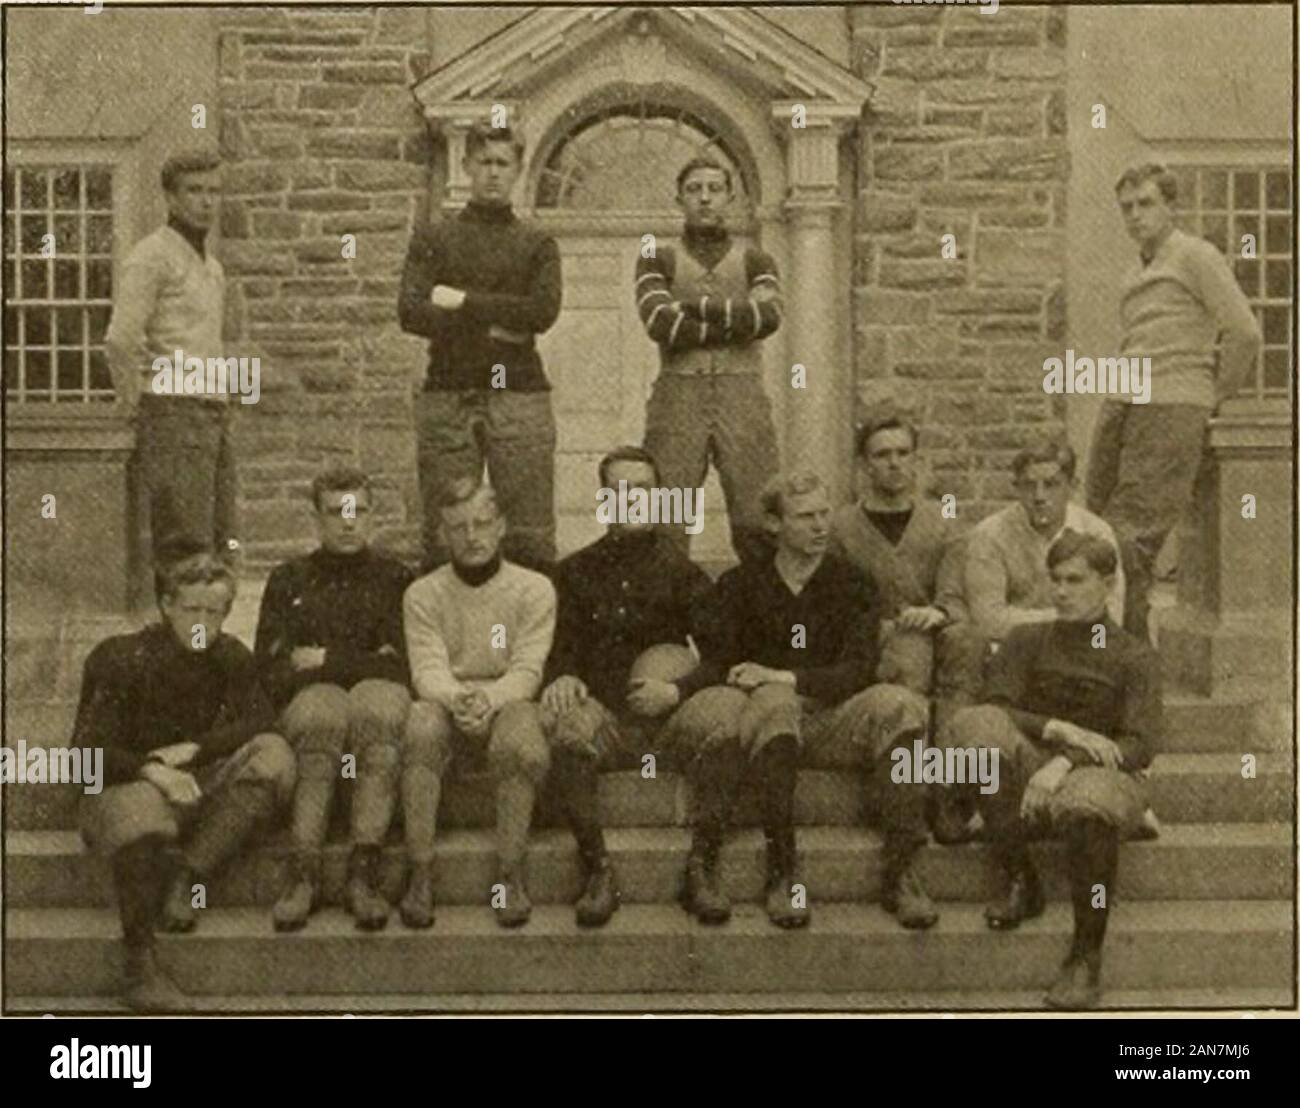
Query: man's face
{"type": "Point", "coordinates": [638, 475]}
{"type": "Point", "coordinates": [193, 606]}
{"type": "Point", "coordinates": [1078, 590]}
{"type": "Point", "coordinates": [343, 520]}
{"type": "Point", "coordinates": [1044, 492]}
{"type": "Point", "coordinates": [1147, 217]}
{"type": "Point", "coordinates": [473, 530]}
{"type": "Point", "coordinates": [196, 198]}
{"type": "Point", "coordinates": [492, 170]}
{"type": "Point", "coordinates": [805, 525]}
{"type": "Point", "coordinates": [705, 197]}
{"type": "Point", "coordinates": [889, 463]}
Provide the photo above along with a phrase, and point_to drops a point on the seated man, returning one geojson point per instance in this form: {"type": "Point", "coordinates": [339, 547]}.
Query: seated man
{"type": "Point", "coordinates": [916, 556]}
{"type": "Point", "coordinates": [1074, 716]}
{"type": "Point", "coordinates": [789, 646]}
{"type": "Point", "coordinates": [330, 650]}
{"type": "Point", "coordinates": [478, 631]}
{"type": "Point", "coordinates": [188, 753]}
{"type": "Point", "coordinates": [619, 598]}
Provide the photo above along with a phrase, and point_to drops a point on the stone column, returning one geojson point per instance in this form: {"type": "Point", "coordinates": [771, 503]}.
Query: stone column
{"type": "Point", "coordinates": [814, 308]}
{"type": "Point", "coordinates": [1229, 634]}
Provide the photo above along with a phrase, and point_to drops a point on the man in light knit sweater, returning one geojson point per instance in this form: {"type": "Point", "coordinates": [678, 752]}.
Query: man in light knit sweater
{"type": "Point", "coordinates": [478, 631]}
{"type": "Point", "coordinates": [708, 305]}
{"type": "Point", "coordinates": [480, 287]}
{"type": "Point", "coordinates": [1184, 310]}
{"type": "Point", "coordinates": [171, 298]}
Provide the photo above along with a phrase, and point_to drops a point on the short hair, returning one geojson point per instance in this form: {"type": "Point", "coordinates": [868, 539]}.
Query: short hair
{"type": "Point", "coordinates": [197, 161]}
{"type": "Point", "coordinates": [338, 478]}
{"type": "Point", "coordinates": [1138, 175]}
{"type": "Point", "coordinates": [626, 454]}
{"type": "Point", "coordinates": [881, 423]}
{"type": "Point", "coordinates": [482, 133]}
{"type": "Point", "coordinates": [461, 490]}
{"type": "Point", "coordinates": [1096, 552]}
{"type": "Point", "coordinates": [185, 560]}
{"type": "Point", "coordinates": [702, 162]}
{"type": "Point", "coordinates": [784, 485]}
{"type": "Point", "coordinates": [1049, 450]}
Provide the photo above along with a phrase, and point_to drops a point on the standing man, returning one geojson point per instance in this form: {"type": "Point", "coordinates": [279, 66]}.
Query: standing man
{"type": "Point", "coordinates": [188, 753]}
{"type": "Point", "coordinates": [478, 631]}
{"type": "Point", "coordinates": [480, 287]}
{"type": "Point", "coordinates": [1184, 310]}
{"type": "Point", "coordinates": [1074, 725]}
{"type": "Point", "coordinates": [708, 305]}
{"type": "Point", "coordinates": [170, 299]}
{"type": "Point", "coordinates": [621, 600]}
{"type": "Point", "coordinates": [788, 648]}
{"type": "Point", "coordinates": [330, 651]}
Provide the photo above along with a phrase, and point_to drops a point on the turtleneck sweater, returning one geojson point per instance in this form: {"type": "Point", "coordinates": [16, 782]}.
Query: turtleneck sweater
{"type": "Point", "coordinates": [492, 635]}
{"type": "Point", "coordinates": [350, 604]}
{"type": "Point", "coordinates": [1059, 670]}
{"type": "Point", "coordinates": [510, 273]}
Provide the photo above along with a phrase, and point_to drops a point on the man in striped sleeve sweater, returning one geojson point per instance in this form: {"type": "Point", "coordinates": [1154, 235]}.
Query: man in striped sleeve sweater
{"type": "Point", "coordinates": [708, 304]}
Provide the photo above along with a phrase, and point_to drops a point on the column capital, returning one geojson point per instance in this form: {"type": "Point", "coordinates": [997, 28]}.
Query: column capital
{"type": "Point", "coordinates": [811, 134]}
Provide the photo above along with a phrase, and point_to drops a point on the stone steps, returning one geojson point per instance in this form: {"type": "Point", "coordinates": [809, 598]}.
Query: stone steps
{"type": "Point", "coordinates": [1246, 861]}
{"type": "Point", "coordinates": [849, 948]}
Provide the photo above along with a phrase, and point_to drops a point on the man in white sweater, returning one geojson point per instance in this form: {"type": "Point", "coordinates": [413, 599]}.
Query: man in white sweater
{"type": "Point", "coordinates": [478, 631]}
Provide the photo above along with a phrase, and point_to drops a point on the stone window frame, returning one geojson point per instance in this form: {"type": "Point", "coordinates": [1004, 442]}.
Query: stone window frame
{"type": "Point", "coordinates": [81, 401]}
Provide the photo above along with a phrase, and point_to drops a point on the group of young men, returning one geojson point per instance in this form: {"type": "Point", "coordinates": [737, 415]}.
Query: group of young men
{"type": "Point", "coordinates": [841, 636]}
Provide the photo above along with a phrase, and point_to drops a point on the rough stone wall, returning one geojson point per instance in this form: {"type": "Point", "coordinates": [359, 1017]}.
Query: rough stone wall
{"type": "Point", "coordinates": [966, 135]}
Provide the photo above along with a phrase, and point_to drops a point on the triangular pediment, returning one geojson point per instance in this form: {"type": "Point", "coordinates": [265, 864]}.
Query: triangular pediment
{"type": "Point", "coordinates": [751, 48]}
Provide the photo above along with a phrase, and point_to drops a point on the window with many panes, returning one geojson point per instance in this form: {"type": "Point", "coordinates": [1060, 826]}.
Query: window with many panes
{"type": "Point", "coordinates": [1225, 203]}
{"type": "Point", "coordinates": [58, 236]}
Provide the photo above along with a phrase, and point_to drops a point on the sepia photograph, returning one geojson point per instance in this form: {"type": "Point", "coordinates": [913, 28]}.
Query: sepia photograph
{"type": "Point", "coordinates": [598, 509]}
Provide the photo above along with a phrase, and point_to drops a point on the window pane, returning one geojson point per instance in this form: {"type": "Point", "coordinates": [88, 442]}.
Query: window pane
{"type": "Point", "coordinates": [36, 281]}
{"type": "Point", "coordinates": [67, 234]}
{"type": "Point", "coordinates": [1277, 279]}
{"type": "Point", "coordinates": [1278, 228]}
{"type": "Point", "coordinates": [1277, 190]}
{"type": "Point", "coordinates": [9, 190]}
{"type": "Point", "coordinates": [1248, 276]}
{"type": "Point", "coordinates": [100, 378]}
{"type": "Point", "coordinates": [99, 192]}
{"type": "Point", "coordinates": [1245, 225]}
{"type": "Point", "coordinates": [1214, 190]}
{"type": "Point", "coordinates": [68, 322]}
{"type": "Point", "coordinates": [67, 189]}
{"type": "Point", "coordinates": [34, 189]}
{"type": "Point", "coordinates": [1276, 369]}
{"type": "Point", "coordinates": [1276, 325]}
{"type": "Point", "coordinates": [11, 235]}
{"type": "Point", "coordinates": [98, 324]}
{"type": "Point", "coordinates": [11, 369]}
{"type": "Point", "coordinates": [99, 234]}
{"type": "Point", "coordinates": [1215, 229]}
{"type": "Point", "coordinates": [67, 280]}
{"type": "Point", "coordinates": [1245, 190]}
{"type": "Point", "coordinates": [38, 322]}
{"type": "Point", "coordinates": [70, 367]}
{"type": "Point", "coordinates": [99, 279]}
{"type": "Point", "coordinates": [38, 369]}
{"type": "Point", "coordinates": [10, 325]}
{"type": "Point", "coordinates": [35, 227]}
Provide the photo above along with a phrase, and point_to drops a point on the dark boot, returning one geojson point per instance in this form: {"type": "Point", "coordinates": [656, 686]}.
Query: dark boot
{"type": "Point", "coordinates": [179, 915]}
{"type": "Point", "coordinates": [514, 908]}
{"type": "Point", "coordinates": [902, 892]}
{"type": "Point", "coordinates": [703, 895]}
{"type": "Point", "coordinates": [787, 906]}
{"type": "Point", "coordinates": [1078, 985]}
{"type": "Point", "coordinates": [600, 898]}
{"type": "Point", "coordinates": [299, 893]}
{"type": "Point", "coordinates": [147, 988]}
{"type": "Point", "coordinates": [363, 900]}
{"type": "Point", "coordinates": [1022, 900]}
{"type": "Point", "coordinates": [416, 908]}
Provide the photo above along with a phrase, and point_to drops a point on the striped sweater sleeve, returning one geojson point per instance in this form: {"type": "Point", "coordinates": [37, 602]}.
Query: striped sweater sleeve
{"type": "Point", "coordinates": [756, 316]}
{"type": "Point", "coordinates": [664, 319]}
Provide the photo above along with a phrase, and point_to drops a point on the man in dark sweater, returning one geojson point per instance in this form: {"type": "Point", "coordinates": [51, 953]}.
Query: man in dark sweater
{"type": "Point", "coordinates": [480, 286]}
{"type": "Point", "coordinates": [789, 646]}
{"type": "Point", "coordinates": [188, 753]}
{"type": "Point", "coordinates": [625, 594]}
{"type": "Point", "coordinates": [1073, 706]}
{"type": "Point", "coordinates": [331, 653]}
{"type": "Point", "coordinates": [709, 304]}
